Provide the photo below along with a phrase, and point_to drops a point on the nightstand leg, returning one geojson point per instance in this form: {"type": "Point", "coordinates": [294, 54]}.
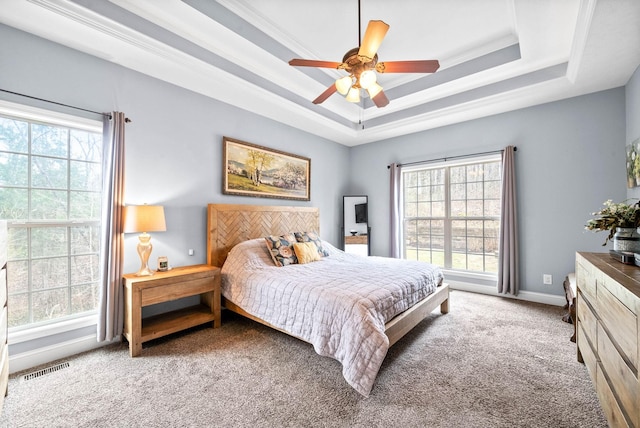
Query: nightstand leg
{"type": "Point", "coordinates": [135, 311]}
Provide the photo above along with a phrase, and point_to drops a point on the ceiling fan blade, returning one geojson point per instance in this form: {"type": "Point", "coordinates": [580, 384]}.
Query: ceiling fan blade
{"type": "Point", "coordinates": [424, 66]}
{"type": "Point", "coordinates": [314, 63]}
{"type": "Point", "coordinates": [380, 100]}
{"type": "Point", "coordinates": [326, 94]}
{"type": "Point", "coordinates": [376, 30]}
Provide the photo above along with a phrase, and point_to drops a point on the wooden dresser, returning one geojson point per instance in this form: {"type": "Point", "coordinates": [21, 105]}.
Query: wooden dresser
{"type": "Point", "coordinates": [4, 348]}
{"type": "Point", "coordinates": [608, 333]}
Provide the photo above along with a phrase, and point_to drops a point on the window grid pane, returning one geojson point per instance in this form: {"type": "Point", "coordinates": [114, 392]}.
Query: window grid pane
{"type": "Point", "coordinates": [50, 193]}
{"type": "Point", "coordinates": [454, 226]}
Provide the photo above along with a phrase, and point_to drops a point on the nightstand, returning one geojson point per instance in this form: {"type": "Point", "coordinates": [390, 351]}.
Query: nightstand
{"type": "Point", "coordinates": [141, 291]}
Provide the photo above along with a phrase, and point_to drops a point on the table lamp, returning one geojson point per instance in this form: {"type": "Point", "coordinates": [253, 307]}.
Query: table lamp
{"type": "Point", "coordinates": [144, 218]}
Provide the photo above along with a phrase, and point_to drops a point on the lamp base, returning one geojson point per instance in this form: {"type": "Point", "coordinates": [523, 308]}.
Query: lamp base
{"type": "Point", "coordinates": [145, 272]}
{"type": "Point", "coordinates": [144, 251]}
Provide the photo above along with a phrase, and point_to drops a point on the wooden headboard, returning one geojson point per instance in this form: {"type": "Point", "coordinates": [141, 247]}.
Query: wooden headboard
{"type": "Point", "coordinates": [228, 225]}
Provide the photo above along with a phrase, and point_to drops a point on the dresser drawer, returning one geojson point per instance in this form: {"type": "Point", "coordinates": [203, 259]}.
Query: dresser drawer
{"type": "Point", "coordinates": [3, 287]}
{"type": "Point", "coordinates": [622, 378]}
{"type": "Point", "coordinates": [620, 321]}
{"type": "Point", "coordinates": [4, 374]}
{"type": "Point", "coordinates": [587, 319]}
{"type": "Point", "coordinates": [610, 406]}
{"type": "Point", "coordinates": [4, 318]}
{"type": "Point", "coordinates": [586, 278]}
{"type": "Point", "coordinates": [588, 353]}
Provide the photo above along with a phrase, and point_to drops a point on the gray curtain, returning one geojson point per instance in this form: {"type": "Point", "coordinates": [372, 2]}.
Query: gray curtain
{"type": "Point", "coordinates": [111, 317]}
{"type": "Point", "coordinates": [508, 270]}
{"type": "Point", "coordinates": [394, 216]}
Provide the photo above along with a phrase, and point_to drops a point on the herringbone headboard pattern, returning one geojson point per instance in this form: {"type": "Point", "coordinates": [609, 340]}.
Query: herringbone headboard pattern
{"type": "Point", "coordinates": [229, 225]}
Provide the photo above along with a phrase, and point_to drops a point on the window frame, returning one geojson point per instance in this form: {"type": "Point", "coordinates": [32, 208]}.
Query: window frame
{"type": "Point", "coordinates": [35, 330]}
{"type": "Point", "coordinates": [447, 219]}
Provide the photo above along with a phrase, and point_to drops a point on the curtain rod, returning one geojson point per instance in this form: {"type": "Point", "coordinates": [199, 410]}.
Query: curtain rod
{"type": "Point", "coordinates": [61, 104]}
{"type": "Point", "coordinates": [515, 149]}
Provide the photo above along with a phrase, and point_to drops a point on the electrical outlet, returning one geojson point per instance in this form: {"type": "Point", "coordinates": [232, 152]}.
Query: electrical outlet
{"type": "Point", "coordinates": [547, 279]}
{"type": "Point", "coordinates": [191, 251]}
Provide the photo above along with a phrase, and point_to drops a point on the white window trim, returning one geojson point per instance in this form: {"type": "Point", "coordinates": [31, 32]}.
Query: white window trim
{"type": "Point", "coordinates": [42, 115]}
{"type": "Point", "coordinates": [466, 160]}
{"type": "Point", "coordinates": [26, 333]}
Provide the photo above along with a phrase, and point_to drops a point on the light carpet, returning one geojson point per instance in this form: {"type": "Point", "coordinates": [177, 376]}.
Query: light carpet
{"type": "Point", "coordinates": [490, 362]}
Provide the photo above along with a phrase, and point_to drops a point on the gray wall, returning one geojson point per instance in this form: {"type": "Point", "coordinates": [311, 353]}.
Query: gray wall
{"type": "Point", "coordinates": [174, 143]}
{"type": "Point", "coordinates": [570, 159]}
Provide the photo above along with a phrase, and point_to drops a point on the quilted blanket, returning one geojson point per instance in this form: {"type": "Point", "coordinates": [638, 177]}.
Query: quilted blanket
{"type": "Point", "coordinates": [339, 304]}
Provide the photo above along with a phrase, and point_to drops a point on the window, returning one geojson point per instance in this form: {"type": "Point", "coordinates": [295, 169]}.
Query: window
{"type": "Point", "coordinates": [451, 214]}
{"type": "Point", "coordinates": [50, 194]}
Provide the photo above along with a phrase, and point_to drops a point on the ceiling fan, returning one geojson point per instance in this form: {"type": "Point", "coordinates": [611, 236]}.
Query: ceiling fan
{"type": "Point", "coordinates": [362, 64]}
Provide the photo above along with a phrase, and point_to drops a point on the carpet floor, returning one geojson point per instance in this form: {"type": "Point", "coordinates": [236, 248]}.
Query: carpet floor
{"type": "Point", "coordinates": [490, 362]}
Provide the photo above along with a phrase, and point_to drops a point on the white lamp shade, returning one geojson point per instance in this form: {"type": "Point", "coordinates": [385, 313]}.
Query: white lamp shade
{"type": "Point", "coordinates": [367, 78]}
{"type": "Point", "coordinates": [343, 84]}
{"type": "Point", "coordinates": [353, 96]}
{"type": "Point", "coordinates": [144, 218]}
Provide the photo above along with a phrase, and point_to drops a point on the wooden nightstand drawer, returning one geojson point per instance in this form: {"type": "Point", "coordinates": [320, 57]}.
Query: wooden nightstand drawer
{"type": "Point", "coordinates": [175, 289]}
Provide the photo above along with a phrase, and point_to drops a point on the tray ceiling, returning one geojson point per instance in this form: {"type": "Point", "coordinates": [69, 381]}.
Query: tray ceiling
{"type": "Point", "coordinates": [495, 55]}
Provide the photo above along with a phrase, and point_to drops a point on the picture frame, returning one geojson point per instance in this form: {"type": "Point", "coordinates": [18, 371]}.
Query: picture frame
{"type": "Point", "coordinates": [253, 170]}
{"type": "Point", "coordinates": [633, 164]}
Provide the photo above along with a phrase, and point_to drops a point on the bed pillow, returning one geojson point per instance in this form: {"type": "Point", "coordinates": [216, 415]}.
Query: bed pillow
{"type": "Point", "coordinates": [306, 252]}
{"type": "Point", "coordinates": [281, 249]}
{"type": "Point", "coordinates": [311, 237]}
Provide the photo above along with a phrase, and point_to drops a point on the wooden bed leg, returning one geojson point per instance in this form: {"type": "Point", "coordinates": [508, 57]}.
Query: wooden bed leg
{"type": "Point", "coordinates": [444, 306]}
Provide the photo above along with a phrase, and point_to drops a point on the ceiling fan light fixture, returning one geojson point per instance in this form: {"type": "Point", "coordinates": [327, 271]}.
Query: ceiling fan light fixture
{"type": "Point", "coordinates": [367, 78]}
{"type": "Point", "coordinates": [354, 95]}
{"type": "Point", "coordinates": [343, 84]}
{"type": "Point", "coordinates": [374, 90]}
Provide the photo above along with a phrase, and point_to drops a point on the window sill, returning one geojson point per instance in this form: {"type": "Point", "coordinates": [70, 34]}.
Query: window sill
{"type": "Point", "coordinates": [26, 334]}
{"type": "Point", "coordinates": [470, 275]}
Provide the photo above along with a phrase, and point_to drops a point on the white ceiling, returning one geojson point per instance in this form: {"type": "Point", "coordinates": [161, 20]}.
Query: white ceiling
{"type": "Point", "coordinates": [495, 55]}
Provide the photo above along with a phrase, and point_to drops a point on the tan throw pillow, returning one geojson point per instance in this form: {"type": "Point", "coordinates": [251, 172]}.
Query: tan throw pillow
{"type": "Point", "coordinates": [311, 237]}
{"type": "Point", "coordinates": [306, 252]}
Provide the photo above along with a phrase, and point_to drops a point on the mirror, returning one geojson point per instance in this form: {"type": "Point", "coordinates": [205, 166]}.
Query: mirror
{"type": "Point", "coordinates": [356, 232]}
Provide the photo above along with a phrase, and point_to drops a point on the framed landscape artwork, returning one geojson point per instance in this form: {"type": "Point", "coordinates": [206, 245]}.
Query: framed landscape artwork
{"type": "Point", "coordinates": [252, 170]}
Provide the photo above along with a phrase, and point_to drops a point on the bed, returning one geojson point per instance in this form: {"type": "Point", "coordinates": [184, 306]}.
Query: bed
{"type": "Point", "coordinates": [379, 305]}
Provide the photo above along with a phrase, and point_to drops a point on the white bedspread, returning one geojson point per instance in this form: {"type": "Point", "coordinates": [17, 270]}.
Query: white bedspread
{"type": "Point", "coordinates": [339, 304]}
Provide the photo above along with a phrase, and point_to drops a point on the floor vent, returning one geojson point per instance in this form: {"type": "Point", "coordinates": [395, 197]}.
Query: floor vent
{"type": "Point", "coordinates": [46, 371]}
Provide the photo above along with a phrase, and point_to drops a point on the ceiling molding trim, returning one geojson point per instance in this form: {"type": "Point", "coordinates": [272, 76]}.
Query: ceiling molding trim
{"type": "Point", "coordinates": [481, 92]}
{"type": "Point", "coordinates": [579, 43]}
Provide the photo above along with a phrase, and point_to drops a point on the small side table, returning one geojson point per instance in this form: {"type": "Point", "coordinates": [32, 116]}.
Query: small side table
{"type": "Point", "coordinates": [140, 291]}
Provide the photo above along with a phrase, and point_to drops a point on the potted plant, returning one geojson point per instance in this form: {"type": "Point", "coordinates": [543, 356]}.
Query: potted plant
{"type": "Point", "coordinates": [621, 220]}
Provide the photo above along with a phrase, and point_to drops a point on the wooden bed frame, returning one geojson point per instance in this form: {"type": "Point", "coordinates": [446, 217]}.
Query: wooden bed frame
{"type": "Point", "coordinates": [229, 225]}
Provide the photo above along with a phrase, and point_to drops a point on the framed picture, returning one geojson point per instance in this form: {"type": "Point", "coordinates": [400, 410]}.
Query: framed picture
{"type": "Point", "coordinates": [251, 170]}
{"type": "Point", "coordinates": [633, 164]}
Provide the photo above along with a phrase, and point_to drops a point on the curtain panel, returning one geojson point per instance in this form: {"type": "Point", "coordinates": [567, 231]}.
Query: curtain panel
{"type": "Point", "coordinates": [111, 304]}
{"type": "Point", "coordinates": [508, 257]}
{"type": "Point", "coordinates": [394, 216]}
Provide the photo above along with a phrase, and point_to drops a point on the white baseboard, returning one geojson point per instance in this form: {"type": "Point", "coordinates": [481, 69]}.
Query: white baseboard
{"type": "Point", "coordinates": [47, 354]}
{"type": "Point", "coordinates": [530, 296]}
